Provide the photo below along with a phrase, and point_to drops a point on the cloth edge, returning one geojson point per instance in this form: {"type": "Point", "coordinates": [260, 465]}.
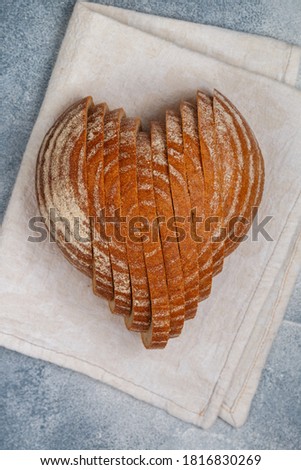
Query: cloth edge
{"type": "Point", "coordinates": [292, 56]}
{"type": "Point", "coordinates": [173, 413]}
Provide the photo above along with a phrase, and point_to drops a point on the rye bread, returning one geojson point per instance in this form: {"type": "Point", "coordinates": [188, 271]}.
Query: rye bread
{"type": "Point", "coordinates": [61, 185]}
{"type": "Point", "coordinates": [122, 302]}
{"type": "Point", "coordinates": [156, 336]}
{"type": "Point", "coordinates": [212, 157]}
{"type": "Point", "coordinates": [102, 271]}
{"type": "Point", "coordinates": [165, 212]}
{"type": "Point", "coordinates": [182, 208]}
{"type": "Point", "coordinates": [245, 153]}
{"type": "Point", "coordinates": [139, 318]}
{"type": "Point", "coordinates": [197, 194]}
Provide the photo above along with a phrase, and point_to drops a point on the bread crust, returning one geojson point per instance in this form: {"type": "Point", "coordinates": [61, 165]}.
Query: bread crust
{"type": "Point", "coordinates": [211, 157]}
{"type": "Point", "coordinates": [196, 188]}
{"type": "Point", "coordinates": [95, 162]}
{"type": "Point", "coordinates": [249, 159]}
{"type": "Point", "coordinates": [181, 205]}
{"type": "Point", "coordinates": [157, 334]}
{"type": "Point", "coordinates": [102, 271]}
{"type": "Point", "coordinates": [122, 302]}
{"type": "Point", "coordinates": [164, 205]}
{"type": "Point", "coordinates": [140, 316]}
{"type": "Point", "coordinates": [61, 185]}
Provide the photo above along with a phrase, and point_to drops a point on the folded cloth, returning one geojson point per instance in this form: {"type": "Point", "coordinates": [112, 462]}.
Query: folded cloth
{"type": "Point", "coordinates": [48, 308]}
{"type": "Point", "coordinates": [266, 56]}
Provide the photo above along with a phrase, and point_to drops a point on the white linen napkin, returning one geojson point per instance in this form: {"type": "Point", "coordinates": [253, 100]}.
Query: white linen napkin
{"type": "Point", "coordinates": [48, 309]}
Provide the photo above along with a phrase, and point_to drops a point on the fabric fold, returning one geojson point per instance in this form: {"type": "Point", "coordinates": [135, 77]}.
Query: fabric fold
{"type": "Point", "coordinates": [266, 56]}
{"type": "Point", "coordinates": [146, 64]}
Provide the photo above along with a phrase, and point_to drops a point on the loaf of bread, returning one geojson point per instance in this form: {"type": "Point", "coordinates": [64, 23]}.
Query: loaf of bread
{"type": "Point", "coordinates": [150, 216]}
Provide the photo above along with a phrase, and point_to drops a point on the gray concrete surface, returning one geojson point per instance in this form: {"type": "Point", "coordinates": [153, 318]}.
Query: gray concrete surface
{"type": "Point", "coordinates": [47, 407]}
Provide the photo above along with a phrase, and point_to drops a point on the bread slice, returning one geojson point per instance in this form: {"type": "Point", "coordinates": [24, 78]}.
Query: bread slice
{"type": "Point", "coordinates": [212, 157]}
{"type": "Point", "coordinates": [117, 249]}
{"type": "Point", "coordinates": [140, 316]}
{"type": "Point", "coordinates": [171, 254]}
{"type": "Point", "coordinates": [102, 272]}
{"type": "Point", "coordinates": [61, 185]}
{"type": "Point", "coordinates": [245, 154]}
{"type": "Point", "coordinates": [196, 188]}
{"type": "Point", "coordinates": [158, 332]}
{"type": "Point", "coordinates": [182, 207]}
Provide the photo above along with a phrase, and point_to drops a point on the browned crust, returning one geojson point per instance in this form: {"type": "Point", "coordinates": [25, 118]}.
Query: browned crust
{"type": "Point", "coordinates": [117, 249]}
{"type": "Point", "coordinates": [158, 333]}
{"type": "Point", "coordinates": [139, 319]}
{"type": "Point", "coordinates": [60, 171]}
{"type": "Point", "coordinates": [181, 205]}
{"type": "Point", "coordinates": [211, 155]}
{"type": "Point", "coordinates": [171, 254]}
{"type": "Point", "coordinates": [245, 147]}
{"type": "Point", "coordinates": [196, 187]}
{"type": "Point", "coordinates": [102, 272]}
{"type": "Point", "coordinates": [207, 159]}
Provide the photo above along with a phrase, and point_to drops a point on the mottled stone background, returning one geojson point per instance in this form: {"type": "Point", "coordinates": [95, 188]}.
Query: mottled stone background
{"type": "Point", "coordinates": [47, 407]}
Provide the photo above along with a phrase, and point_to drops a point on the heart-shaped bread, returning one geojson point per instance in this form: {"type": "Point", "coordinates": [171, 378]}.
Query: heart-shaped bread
{"type": "Point", "coordinates": [150, 217]}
